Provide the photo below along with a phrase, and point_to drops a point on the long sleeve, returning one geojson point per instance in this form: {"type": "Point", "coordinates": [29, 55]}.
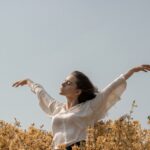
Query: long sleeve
{"type": "Point", "coordinates": [48, 104]}
{"type": "Point", "coordinates": [108, 97]}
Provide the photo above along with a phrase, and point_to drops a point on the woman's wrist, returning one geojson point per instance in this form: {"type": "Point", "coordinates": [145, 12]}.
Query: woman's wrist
{"type": "Point", "coordinates": [29, 82]}
{"type": "Point", "coordinates": [129, 74]}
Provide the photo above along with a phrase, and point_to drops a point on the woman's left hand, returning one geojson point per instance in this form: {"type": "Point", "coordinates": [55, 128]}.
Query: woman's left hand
{"type": "Point", "coordinates": [144, 68]}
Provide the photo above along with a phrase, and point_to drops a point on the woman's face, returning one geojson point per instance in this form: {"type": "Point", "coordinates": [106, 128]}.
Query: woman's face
{"type": "Point", "coordinates": [69, 87]}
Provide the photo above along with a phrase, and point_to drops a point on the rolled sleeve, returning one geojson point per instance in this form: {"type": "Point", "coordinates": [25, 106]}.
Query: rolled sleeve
{"type": "Point", "coordinates": [108, 97]}
{"type": "Point", "coordinates": [112, 93]}
{"type": "Point", "coordinates": [47, 103]}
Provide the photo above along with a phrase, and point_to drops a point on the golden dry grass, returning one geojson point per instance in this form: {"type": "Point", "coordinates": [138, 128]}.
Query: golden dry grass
{"type": "Point", "coordinates": [122, 134]}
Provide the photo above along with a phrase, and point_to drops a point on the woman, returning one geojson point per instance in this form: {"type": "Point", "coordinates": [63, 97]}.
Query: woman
{"type": "Point", "coordinates": [84, 107]}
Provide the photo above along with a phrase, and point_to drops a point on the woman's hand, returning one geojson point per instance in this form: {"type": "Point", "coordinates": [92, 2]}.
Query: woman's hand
{"type": "Point", "coordinates": [22, 83]}
{"type": "Point", "coordinates": [144, 68]}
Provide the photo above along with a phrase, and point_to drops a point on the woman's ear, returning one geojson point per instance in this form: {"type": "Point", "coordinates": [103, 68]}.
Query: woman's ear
{"type": "Point", "coordinates": [78, 91]}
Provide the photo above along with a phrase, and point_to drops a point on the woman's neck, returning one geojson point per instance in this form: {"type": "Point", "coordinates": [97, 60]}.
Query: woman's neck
{"type": "Point", "coordinates": [71, 101]}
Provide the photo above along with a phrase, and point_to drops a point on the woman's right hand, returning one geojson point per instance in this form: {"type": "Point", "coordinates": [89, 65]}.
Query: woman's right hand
{"type": "Point", "coordinates": [22, 83]}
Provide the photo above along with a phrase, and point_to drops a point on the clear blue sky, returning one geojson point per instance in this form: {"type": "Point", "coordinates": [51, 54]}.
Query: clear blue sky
{"type": "Point", "coordinates": [45, 40]}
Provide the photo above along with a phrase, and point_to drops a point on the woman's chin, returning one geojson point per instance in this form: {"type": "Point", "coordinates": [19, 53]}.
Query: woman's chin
{"type": "Point", "coordinates": [61, 93]}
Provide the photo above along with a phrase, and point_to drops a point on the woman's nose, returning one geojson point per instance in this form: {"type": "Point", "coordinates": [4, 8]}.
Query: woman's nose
{"type": "Point", "coordinates": [63, 84]}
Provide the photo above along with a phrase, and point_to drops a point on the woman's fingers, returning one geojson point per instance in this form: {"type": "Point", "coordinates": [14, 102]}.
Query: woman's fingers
{"type": "Point", "coordinates": [19, 83]}
{"type": "Point", "coordinates": [146, 68]}
{"type": "Point", "coordinates": [15, 84]}
{"type": "Point", "coordinates": [146, 65]}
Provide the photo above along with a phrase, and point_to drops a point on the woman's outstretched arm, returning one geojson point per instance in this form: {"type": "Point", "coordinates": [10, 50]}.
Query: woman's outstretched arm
{"type": "Point", "coordinates": [144, 68]}
{"type": "Point", "coordinates": [48, 104]}
{"type": "Point", "coordinates": [113, 91]}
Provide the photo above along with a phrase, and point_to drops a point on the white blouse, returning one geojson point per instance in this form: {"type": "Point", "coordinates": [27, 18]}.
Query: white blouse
{"type": "Point", "coordinates": [69, 125]}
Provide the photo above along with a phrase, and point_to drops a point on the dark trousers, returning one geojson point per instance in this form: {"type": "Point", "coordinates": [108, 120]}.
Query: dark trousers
{"type": "Point", "coordinates": [77, 143]}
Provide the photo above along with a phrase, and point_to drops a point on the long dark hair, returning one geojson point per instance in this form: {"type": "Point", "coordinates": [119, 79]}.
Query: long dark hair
{"type": "Point", "coordinates": [88, 90]}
